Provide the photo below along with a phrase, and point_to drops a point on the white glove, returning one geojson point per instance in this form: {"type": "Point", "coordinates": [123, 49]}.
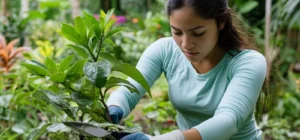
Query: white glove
{"type": "Point", "coordinates": [174, 135]}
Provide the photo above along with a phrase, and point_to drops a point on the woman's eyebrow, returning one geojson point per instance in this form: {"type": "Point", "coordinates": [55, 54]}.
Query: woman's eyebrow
{"type": "Point", "coordinates": [198, 27]}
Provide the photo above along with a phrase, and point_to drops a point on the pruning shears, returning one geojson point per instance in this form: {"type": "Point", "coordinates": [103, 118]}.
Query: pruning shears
{"type": "Point", "coordinates": [90, 130]}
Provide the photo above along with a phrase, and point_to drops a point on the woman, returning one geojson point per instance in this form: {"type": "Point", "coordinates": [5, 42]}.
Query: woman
{"type": "Point", "coordinates": [214, 75]}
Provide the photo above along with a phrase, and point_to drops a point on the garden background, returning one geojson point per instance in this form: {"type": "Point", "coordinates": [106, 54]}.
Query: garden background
{"type": "Point", "coordinates": [274, 24]}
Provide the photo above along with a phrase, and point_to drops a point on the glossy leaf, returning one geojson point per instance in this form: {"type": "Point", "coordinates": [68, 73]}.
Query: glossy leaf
{"type": "Point", "coordinates": [77, 84]}
{"type": "Point", "coordinates": [98, 31]}
{"type": "Point", "coordinates": [109, 57]}
{"type": "Point", "coordinates": [70, 33]}
{"type": "Point", "coordinates": [77, 67]}
{"type": "Point", "coordinates": [81, 51]}
{"type": "Point", "coordinates": [114, 81]}
{"type": "Point", "coordinates": [38, 133]}
{"type": "Point", "coordinates": [58, 127]}
{"type": "Point", "coordinates": [97, 72]}
{"type": "Point", "coordinates": [36, 67]}
{"type": "Point", "coordinates": [108, 26]}
{"type": "Point", "coordinates": [96, 117]}
{"type": "Point", "coordinates": [133, 73]}
{"type": "Point", "coordinates": [108, 16]}
{"type": "Point", "coordinates": [80, 27]}
{"type": "Point", "coordinates": [65, 63]}
{"type": "Point", "coordinates": [56, 101]}
{"type": "Point", "coordinates": [51, 65]}
{"type": "Point", "coordinates": [80, 99]}
{"type": "Point", "coordinates": [114, 31]}
{"type": "Point", "coordinates": [89, 20]}
{"type": "Point", "coordinates": [109, 41]}
{"type": "Point", "coordinates": [59, 77]}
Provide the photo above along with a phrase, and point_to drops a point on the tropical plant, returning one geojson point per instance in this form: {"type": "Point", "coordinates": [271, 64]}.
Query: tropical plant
{"type": "Point", "coordinates": [9, 55]}
{"type": "Point", "coordinates": [85, 82]}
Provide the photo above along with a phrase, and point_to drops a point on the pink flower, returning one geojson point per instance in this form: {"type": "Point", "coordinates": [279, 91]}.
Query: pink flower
{"type": "Point", "coordinates": [121, 19]}
{"type": "Point", "coordinates": [96, 16]}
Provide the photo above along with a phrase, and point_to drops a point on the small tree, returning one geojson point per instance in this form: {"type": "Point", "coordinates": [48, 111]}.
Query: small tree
{"type": "Point", "coordinates": [86, 81]}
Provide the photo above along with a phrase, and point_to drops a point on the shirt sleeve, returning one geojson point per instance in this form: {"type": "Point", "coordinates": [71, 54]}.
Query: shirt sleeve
{"type": "Point", "coordinates": [151, 66]}
{"type": "Point", "coordinates": [248, 74]}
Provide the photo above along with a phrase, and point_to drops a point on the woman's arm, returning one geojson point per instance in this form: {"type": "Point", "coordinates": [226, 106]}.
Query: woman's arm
{"type": "Point", "coordinates": [247, 76]}
{"type": "Point", "coordinates": [192, 134]}
{"type": "Point", "coordinates": [151, 67]}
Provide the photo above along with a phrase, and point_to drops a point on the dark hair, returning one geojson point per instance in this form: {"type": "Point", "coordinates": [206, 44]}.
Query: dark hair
{"type": "Point", "coordinates": [233, 36]}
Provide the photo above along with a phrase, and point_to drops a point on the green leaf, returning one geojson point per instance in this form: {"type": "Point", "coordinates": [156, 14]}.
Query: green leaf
{"type": "Point", "coordinates": [109, 57]}
{"type": "Point", "coordinates": [109, 41]}
{"type": "Point", "coordinates": [98, 109]}
{"type": "Point", "coordinates": [77, 67]}
{"type": "Point", "coordinates": [36, 67]}
{"type": "Point", "coordinates": [133, 73]}
{"type": "Point", "coordinates": [98, 31]}
{"type": "Point", "coordinates": [98, 112]}
{"type": "Point", "coordinates": [57, 127]}
{"type": "Point", "coordinates": [81, 51]}
{"type": "Point", "coordinates": [54, 88]}
{"type": "Point", "coordinates": [89, 20]}
{"type": "Point", "coordinates": [108, 26]}
{"type": "Point", "coordinates": [84, 109]}
{"type": "Point", "coordinates": [77, 84]}
{"type": "Point", "coordinates": [65, 63]}
{"type": "Point", "coordinates": [88, 89]}
{"type": "Point", "coordinates": [91, 32]}
{"type": "Point", "coordinates": [38, 133]}
{"type": "Point", "coordinates": [70, 33]}
{"type": "Point", "coordinates": [97, 72]}
{"type": "Point", "coordinates": [133, 129]}
{"type": "Point", "coordinates": [102, 13]}
{"type": "Point", "coordinates": [96, 117]}
{"type": "Point", "coordinates": [80, 28]}
{"type": "Point", "coordinates": [114, 81]}
{"type": "Point", "coordinates": [108, 15]}
{"type": "Point", "coordinates": [114, 31]}
{"type": "Point", "coordinates": [51, 65]}
{"type": "Point", "coordinates": [248, 6]}
{"type": "Point", "coordinates": [59, 77]}
{"type": "Point", "coordinates": [57, 101]}
{"type": "Point", "coordinates": [71, 112]}
{"type": "Point", "coordinates": [80, 99]}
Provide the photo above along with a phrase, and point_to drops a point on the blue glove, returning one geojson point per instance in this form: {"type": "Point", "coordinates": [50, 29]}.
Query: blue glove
{"type": "Point", "coordinates": [136, 136]}
{"type": "Point", "coordinates": [116, 114]}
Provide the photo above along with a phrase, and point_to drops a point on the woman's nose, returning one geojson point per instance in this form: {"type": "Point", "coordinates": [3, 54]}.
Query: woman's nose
{"type": "Point", "coordinates": [187, 44]}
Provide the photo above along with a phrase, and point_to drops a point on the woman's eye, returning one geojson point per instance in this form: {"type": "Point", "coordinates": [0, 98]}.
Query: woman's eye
{"type": "Point", "coordinates": [199, 34]}
{"type": "Point", "coordinates": [177, 33]}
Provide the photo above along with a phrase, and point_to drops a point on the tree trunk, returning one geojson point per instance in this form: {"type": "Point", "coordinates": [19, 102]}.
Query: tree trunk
{"type": "Point", "coordinates": [75, 8]}
{"type": "Point", "coordinates": [4, 11]}
{"type": "Point", "coordinates": [268, 51]}
{"type": "Point", "coordinates": [148, 5]}
{"type": "Point", "coordinates": [24, 8]}
{"type": "Point", "coordinates": [105, 5]}
{"type": "Point", "coordinates": [24, 13]}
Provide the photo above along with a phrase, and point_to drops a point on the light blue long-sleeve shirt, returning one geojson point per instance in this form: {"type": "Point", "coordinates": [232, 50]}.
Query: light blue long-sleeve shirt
{"type": "Point", "coordinates": [219, 104]}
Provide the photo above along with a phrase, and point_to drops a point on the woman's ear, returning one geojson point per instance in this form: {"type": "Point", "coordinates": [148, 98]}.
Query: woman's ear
{"type": "Point", "coordinates": [221, 26]}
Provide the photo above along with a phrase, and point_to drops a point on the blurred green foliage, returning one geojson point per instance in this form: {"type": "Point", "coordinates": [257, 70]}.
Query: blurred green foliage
{"type": "Point", "coordinates": [146, 21]}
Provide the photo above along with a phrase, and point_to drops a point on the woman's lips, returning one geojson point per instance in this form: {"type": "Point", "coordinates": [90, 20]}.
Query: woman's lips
{"type": "Point", "coordinates": [191, 54]}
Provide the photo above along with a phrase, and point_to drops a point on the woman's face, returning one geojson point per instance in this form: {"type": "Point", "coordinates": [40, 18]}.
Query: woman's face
{"type": "Point", "coordinates": [195, 36]}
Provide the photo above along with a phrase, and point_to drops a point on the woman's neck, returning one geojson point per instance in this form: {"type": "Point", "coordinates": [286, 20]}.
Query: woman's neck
{"type": "Point", "coordinates": [210, 61]}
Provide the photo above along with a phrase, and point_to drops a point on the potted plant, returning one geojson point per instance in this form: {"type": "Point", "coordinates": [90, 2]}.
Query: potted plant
{"type": "Point", "coordinates": [87, 81]}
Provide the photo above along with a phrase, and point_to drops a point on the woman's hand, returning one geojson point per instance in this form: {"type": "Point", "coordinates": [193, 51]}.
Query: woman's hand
{"type": "Point", "coordinates": [116, 114]}
{"type": "Point", "coordinates": [174, 135]}
{"type": "Point", "coordinates": [136, 136]}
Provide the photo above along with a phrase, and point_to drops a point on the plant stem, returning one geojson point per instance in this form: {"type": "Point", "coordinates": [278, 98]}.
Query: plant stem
{"type": "Point", "coordinates": [95, 59]}
{"type": "Point", "coordinates": [105, 106]}
{"type": "Point", "coordinates": [100, 47]}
